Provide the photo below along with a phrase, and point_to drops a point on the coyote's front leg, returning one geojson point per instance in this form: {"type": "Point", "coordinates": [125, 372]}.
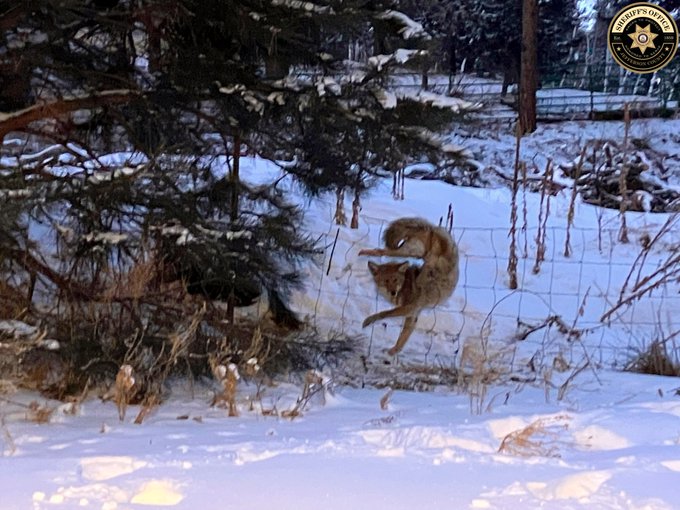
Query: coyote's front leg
{"type": "Point", "coordinates": [380, 252]}
{"type": "Point", "coordinates": [399, 311]}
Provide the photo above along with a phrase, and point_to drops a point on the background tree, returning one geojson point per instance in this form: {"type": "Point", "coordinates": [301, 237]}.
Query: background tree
{"type": "Point", "coordinates": [486, 37]}
{"type": "Point", "coordinates": [601, 73]}
{"type": "Point", "coordinates": [529, 72]}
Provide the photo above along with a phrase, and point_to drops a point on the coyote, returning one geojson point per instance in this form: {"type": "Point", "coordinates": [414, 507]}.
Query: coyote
{"type": "Point", "coordinates": [413, 288]}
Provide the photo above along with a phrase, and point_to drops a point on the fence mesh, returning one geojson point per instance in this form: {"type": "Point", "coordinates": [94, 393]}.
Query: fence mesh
{"type": "Point", "coordinates": [557, 311]}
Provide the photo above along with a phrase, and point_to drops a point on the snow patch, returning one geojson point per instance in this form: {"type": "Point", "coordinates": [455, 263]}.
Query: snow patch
{"type": "Point", "coordinates": [595, 437]}
{"type": "Point", "coordinates": [247, 456]}
{"type": "Point", "coordinates": [501, 428]}
{"type": "Point", "coordinates": [420, 437]}
{"type": "Point", "coordinates": [105, 468]}
{"type": "Point", "coordinates": [158, 493]}
{"type": "Point", "coordinates": [109, 496]}
{"type": "Point", "coordinates": [576, 486]}
{"type": "Point", "coordinates": [480, 503]}
{"type": "Point", "coordinates": [673, 465]}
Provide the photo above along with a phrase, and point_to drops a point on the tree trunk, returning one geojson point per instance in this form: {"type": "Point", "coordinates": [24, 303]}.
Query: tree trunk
{"type": "Point", "coordinates": [340, 217]}
{"type": "Point", "coordinates": [233, 213]}
{"type": "Point", "coordinates": [529, 70]}
{"type": "Point", "coordinates": [424, 75]}
{"type": "Point", "coordinates": [275, 67]}
{"type": "Point", "coordinates": [356, 203]}
{"type": "Point", "coordinates": [235, 178]}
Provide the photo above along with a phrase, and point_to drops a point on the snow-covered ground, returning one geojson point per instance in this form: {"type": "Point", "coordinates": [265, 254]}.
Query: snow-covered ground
{"type": "Point", "coordinates": [615, 445]}
{"type": "Point", "coordinates": [540, 422]}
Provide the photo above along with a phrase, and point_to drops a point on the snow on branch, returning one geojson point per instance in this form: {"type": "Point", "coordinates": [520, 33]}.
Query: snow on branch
{"type": "Point", "coordinates": [409, 29]}
{"type": "Point", "coordinates": [435, 141]}
{"type": "Point", "coordinates": [327, 84]}
{"type": "Point", "coordinates": [401, 56]}
{"type": "Point", "coordinates": [304, 6]}
{"type": "Point", "coordinates": [386, 98]}
{"type": "Point", "coordinates": [389, 99]}
{"type": "Point", "coordinates": [105, 238]}
{"type": "Point", "coordinates": [441, 101]}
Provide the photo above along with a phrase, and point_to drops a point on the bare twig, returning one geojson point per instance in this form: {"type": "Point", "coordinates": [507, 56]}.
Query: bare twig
{"type": "Point", "coordinates": [572, 201]}
{"type": "Point", "coordinates": [543, 218]}
{"type": "Point", "coordinates": [623, 177]}
{"type": "Point", "coordinates": [330, 259]}
{"type": "Point", "coordinates": [385, 400]}
{"type": "Point", "coordinates": [512, 257]}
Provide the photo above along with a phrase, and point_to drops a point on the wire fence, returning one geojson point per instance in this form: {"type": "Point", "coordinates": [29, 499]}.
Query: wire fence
{"type": "Point", "coordinates": [555, 311]}
{"type": "Point", "coordinates": [575, 92]}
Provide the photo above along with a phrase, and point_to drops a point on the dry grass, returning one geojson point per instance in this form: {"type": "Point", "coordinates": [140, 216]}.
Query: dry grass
{"type": "Point", "coordinates": [659, 358]}
{"type": "Point", "coordinates": [480, 368]}
{"type": "Point", "coordinates": [385, 400]}
{"type": "Point", "coordinates": [33, 411]}
{"type": "Point", "coordinates": [38, 413]}
{"type": "Point", "coordinates": [538, 439]}
{"type": "Point", "coordinates": [133, 284]}
{"type": "Point", "coordinates": [123, 389]}
{"type": "Point", "coordinates": [406, 376]}
{"type": "Point", "coordinates": [314, 385]}
{"type": "Point", "coordinates": [158, 333]}
{"type": "Point", "coordinates": [13, 302]}
{"type": "Point", "coordinates": [228, 378]}
{"type": "Point", "coordinates": [547, 187]}
{"type": "Point", "coordinates": [148, 405]}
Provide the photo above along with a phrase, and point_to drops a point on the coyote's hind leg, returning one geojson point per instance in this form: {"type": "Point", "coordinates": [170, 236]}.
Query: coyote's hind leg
{"type": "Point", "coordinates": [409, 326]}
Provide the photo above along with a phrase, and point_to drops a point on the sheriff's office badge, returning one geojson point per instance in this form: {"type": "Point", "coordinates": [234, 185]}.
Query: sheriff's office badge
{"type": "Point", "coordinates": [643, 37]}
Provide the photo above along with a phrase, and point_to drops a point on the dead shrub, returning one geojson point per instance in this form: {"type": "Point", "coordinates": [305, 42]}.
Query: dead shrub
{"type": "Point", "coordinates": [44, 371]}
{"type": "Point", "coordinates": [13, 302]}
{"type": "Point", "coordinates": [162, 340]}
{"type": "Point", "coordinates": [538, 439]}
{"type": "Point", "coordinates": [131, 316]}
{"type": "Point", "coordinates": [657, 359]}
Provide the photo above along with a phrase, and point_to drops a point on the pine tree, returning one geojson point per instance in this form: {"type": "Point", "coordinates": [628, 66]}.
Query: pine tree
{"type": "Point", "coordinates": [151, 108]}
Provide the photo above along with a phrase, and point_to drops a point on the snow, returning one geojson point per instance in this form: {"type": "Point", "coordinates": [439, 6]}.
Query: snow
{"type": "Point", "coordinates": [441, 101]}
{"type": "Point", "coordinates": [326, 83]}
{"type": "Point", "coordinates": [17, 328]}
{"type": "Point", "coordinates": [410, 29]}
{"type": "Point", "coordinates": [105, 237]}
{"type": "Point", "coordinates": [305, 6]}
{"type": "Point", "coordinates": [351, 454]}
{"type": "Point", "coordinates": [401, 56]}
{"type": "Point", "coordinates": [552, 436]}
{"type": "Point", "coordinates": [386, 98]}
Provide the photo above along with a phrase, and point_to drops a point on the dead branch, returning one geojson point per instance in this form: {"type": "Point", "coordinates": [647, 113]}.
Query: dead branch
{"type": "Point", "coordinates": [53, 109]}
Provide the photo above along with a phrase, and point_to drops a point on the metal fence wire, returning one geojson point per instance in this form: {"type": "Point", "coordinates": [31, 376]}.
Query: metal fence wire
{"type": "Point", "coordinates": [576, 91]}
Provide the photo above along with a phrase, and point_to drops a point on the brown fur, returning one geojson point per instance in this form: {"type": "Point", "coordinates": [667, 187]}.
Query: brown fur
{"type": "Point", "coordinates": [395, 281]}
{"type": "Point", "coordinates": [410, 287]}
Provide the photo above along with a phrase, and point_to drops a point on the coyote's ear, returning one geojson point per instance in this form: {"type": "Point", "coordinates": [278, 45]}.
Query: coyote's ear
{"type": "Point", "coordinates": [403, 267]}
{"type": "Point", "coordinates": [372, 267]}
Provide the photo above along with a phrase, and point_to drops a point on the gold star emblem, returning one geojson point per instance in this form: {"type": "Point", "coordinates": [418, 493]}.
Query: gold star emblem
{"type": "Point", "coordinates": [643, 38]}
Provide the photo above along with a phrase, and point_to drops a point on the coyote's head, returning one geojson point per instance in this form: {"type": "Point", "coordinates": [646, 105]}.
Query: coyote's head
{"type": "Point", "coordinates": [390, 278]}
